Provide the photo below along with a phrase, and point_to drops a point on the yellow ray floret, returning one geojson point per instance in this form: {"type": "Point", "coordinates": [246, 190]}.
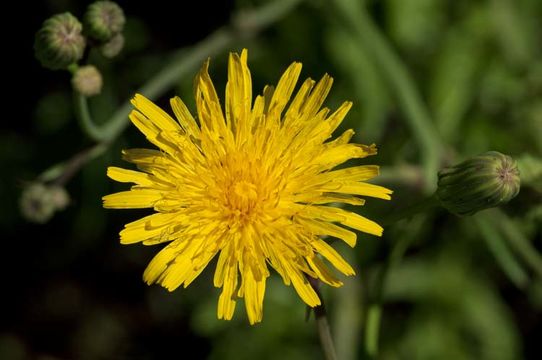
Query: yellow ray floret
{"type": "Point", "coordinates": [250, 182]}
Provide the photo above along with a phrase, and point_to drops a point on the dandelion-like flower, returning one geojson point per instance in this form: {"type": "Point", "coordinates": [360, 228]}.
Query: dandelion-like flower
{"type": "Point", "coordinates": [253, 185]}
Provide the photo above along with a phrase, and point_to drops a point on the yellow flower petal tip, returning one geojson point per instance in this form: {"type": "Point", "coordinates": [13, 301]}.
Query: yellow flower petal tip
{"type": "Point", "coordinates": [253, 183]}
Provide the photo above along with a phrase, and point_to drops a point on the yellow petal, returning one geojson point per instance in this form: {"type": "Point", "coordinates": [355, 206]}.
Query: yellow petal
{"type": "Point", "coordinates": [347, 218]}
{"type": "Point", "coordinates": [151, 131]}
{"type": "Point", "coordinates": [326, 228]}
{"type": "Point", "coordinates": [356, 173]}
{"type": "Point", "coordinates": [284, 89]}
{"type": "Point", "coordinates": [337, 155]}
{"type": "Point", "coordinates": [155, 114]}
{"type": "Point", "coordinates": [323, 272]}
{"type": "Point", "coordinates": [161, 261]}
{"type": "Point", "coordinates": [293, 113]}
{"type": "Point", "coordinates": [357, 188]}
{"type": "Point", "coordinates": [145, 157]}
{"type": "Point", "coordinates": [209, 109]}
{"type": "Point", "coordinates": [254, 291]}
{"type": "Point", "coordinates": [239, 96]}
{"type": "Point", "coordinates": [135, 199]}
{"type": "Point", "coordinates": [333, 256]}
{"type": "Point", "coordinates": [184, 117]}
{"type": "Point", "coordinates": [302, 286]}
{"type": "Point", "coordinates": [149, 227]}
{"type": "Point", "coordinates": [226, 302]}
{"type": "Point", "coordinates": [124, 175]}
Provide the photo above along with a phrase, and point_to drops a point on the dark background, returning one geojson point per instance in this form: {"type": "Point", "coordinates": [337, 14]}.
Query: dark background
{"type": "Point", "coordinates": [71, 291]}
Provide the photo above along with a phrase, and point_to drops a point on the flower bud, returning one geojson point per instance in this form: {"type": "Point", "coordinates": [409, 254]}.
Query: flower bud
{"type": "Point", "coordinates": [87, 80]}
{"type": "Point", "coordinates": [481, 182]}
{"type": "Point", "coordinates": [103, 20]}
{"type": "Point", "coordinates": [39, 202]}
{"type": "Point", "coordinates": [59, 197]}
{"type": "Point", "coordinates": [113, 47]}
{"type": "Point", "coordinates": [59, 42]}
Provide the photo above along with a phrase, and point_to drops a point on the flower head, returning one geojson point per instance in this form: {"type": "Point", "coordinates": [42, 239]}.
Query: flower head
{"type": "Point", "coordinates": [481, 182]}
{"type": "Point", "coordinates": [252, 185]}
{"type": "Point", "coordinates": [103, 20]}
{"type": "Point", "coordinates": [87, 80]}
{"type": "Point", "coordinates": [59, 42]}
{"type": "Point", "coordinates": [113, 47]}
{"type": "Point", "coordinates": [39, 202]}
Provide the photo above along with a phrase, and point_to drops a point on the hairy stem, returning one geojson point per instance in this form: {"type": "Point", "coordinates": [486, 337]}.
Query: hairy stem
{"type": "Point", "coordinates": [86, 123]}
{"type": "Point", "coordinates": [324, 332]}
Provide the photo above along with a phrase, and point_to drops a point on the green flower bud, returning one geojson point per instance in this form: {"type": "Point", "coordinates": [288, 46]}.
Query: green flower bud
{"type": "Point", "coordinates": [59, 197]}
{"type": "Point", "coordinates": [113, 47]}
{"type": "Point", "coordinates": [481, 182]}
{"type": "Point", "coordinates": [103, 20]}
{"type": "Point", "coordinates": [87, 80]}
{"type": "Point", "coordinates": [59, 42]}
{"type": "Point", "coordinates": [39, 202]}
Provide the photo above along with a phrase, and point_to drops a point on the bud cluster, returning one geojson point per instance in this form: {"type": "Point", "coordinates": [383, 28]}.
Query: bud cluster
{"type": "Point", "coordinates": [104, 22]}
{"type": "Point", "coordinates": [61, 41]}
{"type": "Point", "coordinates": [39, 202]}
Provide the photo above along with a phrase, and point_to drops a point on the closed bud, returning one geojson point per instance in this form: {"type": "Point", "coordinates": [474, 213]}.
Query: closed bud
{"type": "Point", "coordinates": [103, 20]}
{"type": "Point", "coordinates": [113, 47]}
{"type": "Point", "coordinates": [39, 202]}
{"type": "Point", "coordinates": [479, 183]}
{"type": "Point", "coordinates": [87, 80]}
{"type": "Point", "coordinates": [59, 43]}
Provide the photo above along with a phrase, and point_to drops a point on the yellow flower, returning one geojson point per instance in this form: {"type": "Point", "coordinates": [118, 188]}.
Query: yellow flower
{"type": "Point", "coordinates": [252, 185]}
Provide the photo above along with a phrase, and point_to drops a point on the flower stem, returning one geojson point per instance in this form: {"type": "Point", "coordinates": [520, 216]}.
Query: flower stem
{"type": "Point", "coordinates": [85, 120]}
{"type": "Point", "coordinates": [424, 205]}
{"type": "Point", "coordinates": [324, 332]}
{"type": "Point", "coordinates": [61, 173]}
{"type": "Point", "coordinates": [372, 329]}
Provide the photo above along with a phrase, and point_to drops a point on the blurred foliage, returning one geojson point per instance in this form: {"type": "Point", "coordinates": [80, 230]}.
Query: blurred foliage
{"type": "Point", "coordinates": [468, 288]}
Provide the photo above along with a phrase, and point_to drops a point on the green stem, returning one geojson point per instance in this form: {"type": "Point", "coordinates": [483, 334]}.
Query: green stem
{"type": "Point", "coordinates": [324, 332]}
{"type": "Point", "coordinates": [372, 329]}
{"type": "Point", "coordinates": [424, 205]}
{"type": "Point", "coordinates": [85, 120]}
{"type": "Point", "coordinates": [59, 174]}
{"type": "Point", "coordinates": [400, 81]}
{"type": "Point", "coordinates": [401, 174]}
{"type": "Point", "coordinates": [348, 303]}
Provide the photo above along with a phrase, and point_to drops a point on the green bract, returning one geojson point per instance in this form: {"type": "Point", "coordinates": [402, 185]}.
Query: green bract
{"type": "Point", "coordinates": [481, 182]}
{"type": "Point", "coordinates": [103, 20]}
{"type": "Point", "coordinates": [59, 43]}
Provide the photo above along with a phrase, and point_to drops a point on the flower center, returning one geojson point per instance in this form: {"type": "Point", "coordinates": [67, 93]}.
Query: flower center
{"type": "Point", "coordinates": [244, 191]}
{"type": "Point", "coordinates": [507, 173]}
{"type": "Point", "coordinates": [244, 196]}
